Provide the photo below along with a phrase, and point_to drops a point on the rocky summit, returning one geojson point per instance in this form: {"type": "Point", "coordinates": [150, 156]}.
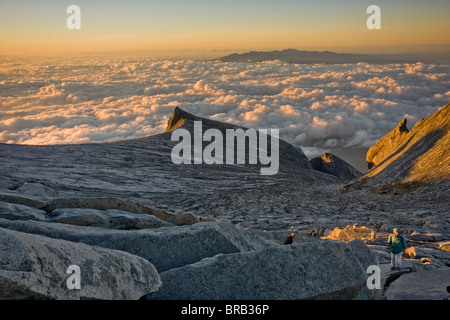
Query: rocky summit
{"type": "Point", "coordinates": [416, 155]}
{"type": "Point", "coordinates": [136, 225]}
{"type": "Point", "coordinates": [332, 164]}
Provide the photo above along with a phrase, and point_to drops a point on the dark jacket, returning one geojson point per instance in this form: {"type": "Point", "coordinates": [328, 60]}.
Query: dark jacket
{"type": "Point", "coordinates": [289, 240]}
{"type": "Point", "coordinates": [396, 244]}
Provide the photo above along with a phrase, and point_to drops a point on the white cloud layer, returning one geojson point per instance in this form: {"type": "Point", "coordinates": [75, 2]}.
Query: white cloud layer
{"type": "Point", "coordinates": [315, 106]}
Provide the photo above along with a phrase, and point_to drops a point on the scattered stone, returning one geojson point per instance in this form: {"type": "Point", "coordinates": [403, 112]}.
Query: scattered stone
{"type": "Point", "coordinates": [445, 245]}
{"type": "Point", "coordinates": [350, 233]}
{"type": "Point", "coordinates": [415, 253]}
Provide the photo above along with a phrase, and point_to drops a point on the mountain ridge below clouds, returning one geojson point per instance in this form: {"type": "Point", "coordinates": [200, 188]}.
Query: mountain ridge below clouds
{"type": "Point", "coordinates": [311, 57]}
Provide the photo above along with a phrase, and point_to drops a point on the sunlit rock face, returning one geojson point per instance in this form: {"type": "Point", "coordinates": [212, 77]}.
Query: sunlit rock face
{"type": "Point", "coordinates": [416, 155]}
{"type": "Point", "coordinates": [387, 145]}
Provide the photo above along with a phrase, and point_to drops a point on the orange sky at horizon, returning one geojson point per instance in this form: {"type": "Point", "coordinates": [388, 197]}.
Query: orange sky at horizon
{"type": "Point", "coordinates": [29, 29]}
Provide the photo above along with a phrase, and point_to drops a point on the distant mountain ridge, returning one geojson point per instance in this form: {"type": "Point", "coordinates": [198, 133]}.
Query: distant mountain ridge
{"type": "Point", "coordinates": [311, 57]}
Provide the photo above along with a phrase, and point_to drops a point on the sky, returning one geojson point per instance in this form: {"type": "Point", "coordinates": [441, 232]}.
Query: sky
{"type": "Point", "coordinates": [30, 27]}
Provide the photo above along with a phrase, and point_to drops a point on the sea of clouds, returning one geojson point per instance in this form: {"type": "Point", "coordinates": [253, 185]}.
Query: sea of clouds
{"type": "Point", "coordinates": [316, 107]}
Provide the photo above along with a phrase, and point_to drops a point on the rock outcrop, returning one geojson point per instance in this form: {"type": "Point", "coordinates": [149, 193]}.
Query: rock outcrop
{"type": "Point", "coordinates": [350, 233]}
{"type": "Point", "coordinates": [387, 145]}
{"type": "Point", "coordinates": [108, 219]}
{"type": "Point", "coordinates": [421, 285]}
{"type": "Point", "coordinates": [179, 118]}
{"type": "Point", "coordinates": [105, 203]}
{"type": "Point", "coordinates": [166, 248]}
{"type": "Point", "coordinates": [14, 211]}
{"type": "Point", "coordinates": [37, 267]}
{"type": "Point", "coordinates": [418, 155]}
{"type": "Point", "coordinates": [290, 156]}
{"type": "Point", "coordinates": [335, 166]}
{"type": "Point", "coordinates": [88, 211]}
{"type": "Point", "coordinates": [316, 270]}
{"type": "Point", "coordinates": [368, 260]}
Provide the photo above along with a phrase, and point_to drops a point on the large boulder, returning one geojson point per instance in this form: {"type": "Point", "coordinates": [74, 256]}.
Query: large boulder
{"type": "Point", "coordinates": [368, 259]}
{"type": "Point", "coordinates": [314, 270]}
{"type": "Point", "coordinates": [421, 285]}
{"type": "Point", "coordinates": [38, 267]}
{"type": "Point", "coordinates": [165, 248]}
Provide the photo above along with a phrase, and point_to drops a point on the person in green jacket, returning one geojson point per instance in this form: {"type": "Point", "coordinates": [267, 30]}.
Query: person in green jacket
{"type": "Point", "coordinates": [396, 245]}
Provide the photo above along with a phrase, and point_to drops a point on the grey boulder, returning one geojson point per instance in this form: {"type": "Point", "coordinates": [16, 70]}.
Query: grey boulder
{"type": "Point", "coordinates": [313, 270]}
{"type": "Point", "coordinates": [165, 248]}
{"type": "Point", "coordinates": [370, 263]}
{"type": "Point", "coordinates": [38, 267]}
{"type": "Point", "coordinates": [421, 285]}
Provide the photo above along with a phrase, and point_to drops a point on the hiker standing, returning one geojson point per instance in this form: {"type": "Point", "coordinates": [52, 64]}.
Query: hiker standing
{"type": "Point", "coordinates": [396, 245]}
